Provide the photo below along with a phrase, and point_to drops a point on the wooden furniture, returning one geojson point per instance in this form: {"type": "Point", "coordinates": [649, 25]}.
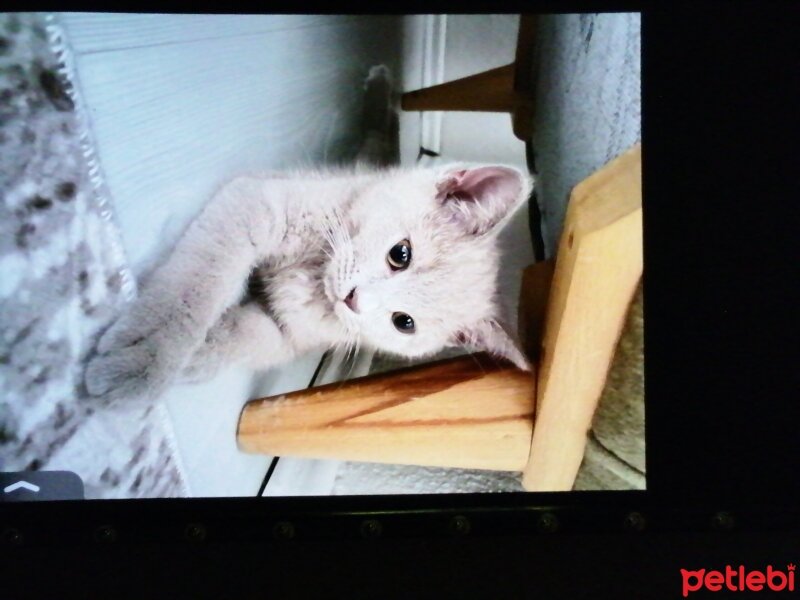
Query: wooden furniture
{"type": "Point", "coordinates": [504, 89]}
{"type": "Point", "coordinates": [598, 266]}
{"type": "Point", "coordinates": [473, 411]}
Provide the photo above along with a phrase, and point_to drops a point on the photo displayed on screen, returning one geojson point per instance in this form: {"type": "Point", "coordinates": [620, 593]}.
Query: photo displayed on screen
{"type": "Point", "coordinates": [314, 255]}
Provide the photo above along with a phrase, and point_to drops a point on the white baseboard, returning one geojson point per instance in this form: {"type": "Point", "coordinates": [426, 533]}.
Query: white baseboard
{"type": "Point", "coordinates": [423, 66]}
{"type": "Point", "coordinates": [433, 57]}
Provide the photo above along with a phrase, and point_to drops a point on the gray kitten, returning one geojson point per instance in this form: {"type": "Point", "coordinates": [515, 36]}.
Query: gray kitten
{"type": "Point", "coordinates": [401, 260]}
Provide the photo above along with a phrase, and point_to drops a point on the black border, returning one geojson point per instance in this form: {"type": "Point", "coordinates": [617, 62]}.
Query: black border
{"type": "Point", "coordinates": [720, 131]}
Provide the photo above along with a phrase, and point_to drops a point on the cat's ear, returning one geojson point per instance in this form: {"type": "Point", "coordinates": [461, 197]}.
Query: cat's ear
{"type": "Point", "coordinates": [489, 335]}
{"type": "Point", "coordinates": [478, 199]}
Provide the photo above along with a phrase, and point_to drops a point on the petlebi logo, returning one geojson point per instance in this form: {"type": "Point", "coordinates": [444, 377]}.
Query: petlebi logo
{"type": "Point", "coordinates": [739, 579]}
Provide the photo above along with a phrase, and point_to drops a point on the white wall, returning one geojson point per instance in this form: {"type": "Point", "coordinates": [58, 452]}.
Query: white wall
{"type": "Point", "coordinates": [180, 103]}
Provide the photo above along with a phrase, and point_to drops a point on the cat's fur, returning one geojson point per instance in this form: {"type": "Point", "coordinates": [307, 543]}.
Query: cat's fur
{"type": "Point", "coordinates": [303, 241]}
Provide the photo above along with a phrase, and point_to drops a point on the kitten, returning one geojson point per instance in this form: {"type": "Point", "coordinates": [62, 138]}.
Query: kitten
{"type": "Point", "coordinates": [401, 260]}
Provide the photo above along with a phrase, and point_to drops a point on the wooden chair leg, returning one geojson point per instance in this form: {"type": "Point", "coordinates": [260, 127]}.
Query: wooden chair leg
{"type": "Point", "coordinates": [522, 121]}
{"type": "Point", "coordinates": [490, 91]}
{"type": "Point", "coordinates": [598, 266]}
{"type": "Point", "coordinates": [504, 89]}
{"type": "Point", "coordinates": [468, 412]}
{"type": "Point", "coordinates": [533, 296]}
{"type": "Point", "coordinates": [525, 76]}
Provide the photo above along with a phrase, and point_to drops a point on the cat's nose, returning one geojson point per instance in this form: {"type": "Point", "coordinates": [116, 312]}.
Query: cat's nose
{"type": "Point", "coordinates": [352, 300]}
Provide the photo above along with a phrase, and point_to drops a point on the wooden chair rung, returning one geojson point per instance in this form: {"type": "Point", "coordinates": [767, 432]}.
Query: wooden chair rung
{"type": "Point", "coordinates": [490, 91]}
{"type": "Point", "coordinates": [471, 412]}
{"type": "Point", "coordinates": [509, 88]}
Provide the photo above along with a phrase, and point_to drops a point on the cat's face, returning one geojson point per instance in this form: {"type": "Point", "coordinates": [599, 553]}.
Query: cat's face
{"type": "Point", "coordinates": [414, 264]}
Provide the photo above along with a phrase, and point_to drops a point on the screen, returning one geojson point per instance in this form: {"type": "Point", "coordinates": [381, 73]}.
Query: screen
{"type": "Point", "coordinates": [314, 255]}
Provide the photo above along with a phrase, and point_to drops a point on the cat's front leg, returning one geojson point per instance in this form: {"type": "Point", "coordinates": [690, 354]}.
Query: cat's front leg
{"type": "Point", "coordinates": [244, 335]}
{"type": "Point", "coordinates": [149, 345]}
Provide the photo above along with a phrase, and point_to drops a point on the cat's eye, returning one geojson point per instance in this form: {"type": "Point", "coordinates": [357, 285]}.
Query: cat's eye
{"type": "Point", "coordinates": [399, 256]}
{"type": "Point", "coordinates": [403, 322]}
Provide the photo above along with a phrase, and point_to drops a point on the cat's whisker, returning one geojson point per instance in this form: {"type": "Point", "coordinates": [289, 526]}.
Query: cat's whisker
{"type": "Point", "coordinates": [349, 262]}
{"type": "Point", "coordinates": [347, 246]}
{"type": "Point", "coordinates": [352, 361]}
{"type": "Point", "coordinates": [348, 346]}
{"type": "Point", "coordinates": [327, 248]}
{"type": "Point", "coordinates": [470, 352]}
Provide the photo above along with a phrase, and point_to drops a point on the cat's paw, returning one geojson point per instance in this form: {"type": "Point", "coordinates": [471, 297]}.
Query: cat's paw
{"type": "Point", "coordinates": [133, 372]}
{"type": "Point", "coordinates": [378, 100]}
{"type": "Point", "coordinates": [126, 331]}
